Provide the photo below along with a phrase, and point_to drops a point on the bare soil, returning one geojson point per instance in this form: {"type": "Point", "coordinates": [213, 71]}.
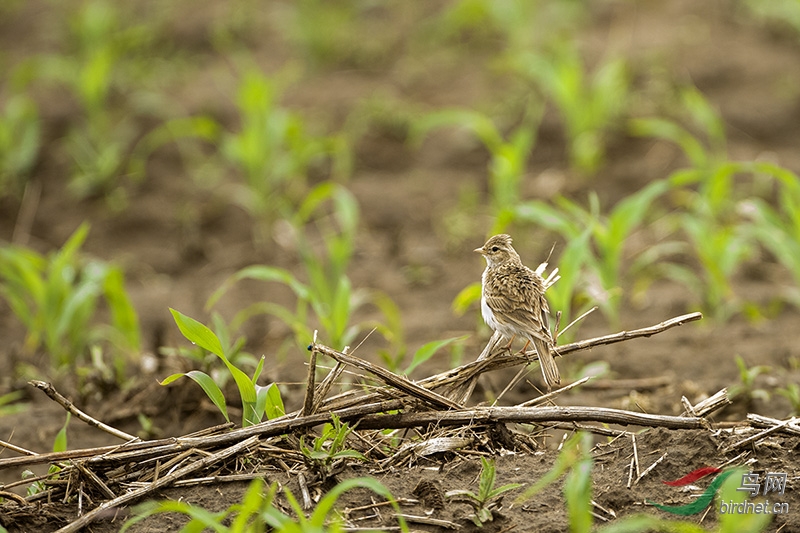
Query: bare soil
{"type": "Point", "coordinates": [177, 245]}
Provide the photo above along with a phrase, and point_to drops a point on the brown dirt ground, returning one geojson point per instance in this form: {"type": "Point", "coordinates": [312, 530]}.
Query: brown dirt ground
{"type": "Point", "coordinates": [403, 193]}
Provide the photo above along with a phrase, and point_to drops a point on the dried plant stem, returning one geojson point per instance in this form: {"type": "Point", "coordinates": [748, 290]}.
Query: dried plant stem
{"type": "Point", "coordinates": [760, 435]}
{"type": "Point", "coordinates": [90, 517]}
{"type": "Point", "coordinates": [540, 415]}
{"type": "Point", "coordinates": [390, 378]}
{"type": "Point", "coordinates": [550, 395]}
{"type": "Point", "coordinates": [765, 421]}
{"type": "Point", "coordinates": [308, 402]}
{"type": "Point", "coordinates": [64, 402]}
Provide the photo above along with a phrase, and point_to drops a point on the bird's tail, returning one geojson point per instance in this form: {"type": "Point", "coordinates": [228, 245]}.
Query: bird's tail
{"type": "Point", "coordinates": [547, 362]}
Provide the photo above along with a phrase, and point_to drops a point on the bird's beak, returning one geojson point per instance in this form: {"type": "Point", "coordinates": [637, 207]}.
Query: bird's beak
{"type": "Point", "coordinates": [478, 251]}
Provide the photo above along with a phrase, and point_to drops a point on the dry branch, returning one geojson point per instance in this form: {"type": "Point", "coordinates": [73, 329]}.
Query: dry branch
{"type": "Point", "coordinates": [64, 402]}
{"type": "Point", "coordinates": [90, 517]}
{"type": "Point", "coordinates": [390, 378]}
{"type": "Point", "coordinates": [539, 415]}
{"type": "Point", "coordinates": [146, 465]}
{"type": "Point", "coordinates": [765, 421]}
{"type": "Point", "coordinates": [760, 435]}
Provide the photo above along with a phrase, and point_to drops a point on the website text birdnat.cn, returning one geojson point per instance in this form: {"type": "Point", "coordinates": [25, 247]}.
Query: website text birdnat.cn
{"type": "Point", "coordinates": [773, 482]}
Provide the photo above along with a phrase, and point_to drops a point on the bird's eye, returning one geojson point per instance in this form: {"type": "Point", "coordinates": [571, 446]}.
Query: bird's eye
{"type": "Point", "coordinates": [495, 249]}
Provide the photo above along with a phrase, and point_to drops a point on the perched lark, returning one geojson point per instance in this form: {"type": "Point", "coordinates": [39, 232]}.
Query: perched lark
{"type": "Point", "coordinates": [513, 302]}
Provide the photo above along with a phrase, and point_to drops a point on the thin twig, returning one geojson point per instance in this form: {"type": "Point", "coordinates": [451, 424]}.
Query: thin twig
{"type": "Point", "coordinates": [64, 402]}
{"type": "Point", "coordinates": [427, 520]}
{"type": "Point", "coordinates": [760, 435]}
{"type": "Point", "coordinates": [650, 468]}
{"type": "Point", "coordinates": [550, 395]}
{"type": "Point", "coordinates": [13, 496]}
{"type": "Point", "coordinates": [16, 448]}
{"type": "Point", "coordinates": [390, 378]}
{"type": "Point", "coordinates": [541, 415]}
{"type": "Point", "coordinates": [765, 421]}
{"type": "Point", "coordinates": [516, 379]}
{"type": "Point", "coordinates": [584, 315]}
{"type": "Point", "coordinates": [630, 471]}
{"type": "Point", "coordinates": [623, 335]}
{"type": "Point", "coordinates": [96, 480]}
{"type": "Point", "coordinates": [95, 513]}
{"type": "Point", "coordinates": [301, 481]}
{"type": "Point", "coordinates": [325, 386]}
{"type": "Point", "coordinates": [308, 402]}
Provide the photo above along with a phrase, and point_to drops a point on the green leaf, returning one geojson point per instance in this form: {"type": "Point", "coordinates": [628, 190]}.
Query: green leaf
{"type": "Point", "coordinates": [261, 273]}
{"type": "Point", "coordinates": [644, 522]}
{"type": "Point", "coordinates": [349, 454]}
{"type": "Point", "coordinates": [60, 442]}
{"type": "Point", "coordinates": [252, 503]}
{"type": "Point", "coordinates": [320, 516]}
{"type": "Point", "coordinates": [273, 401]}
{"type": "Point", "coordinates": [427, 350]}
{"type": "Point", "coordinates": [505, 488]}
{"type": "Point", "coordinates": [208, 385]}
{"type": "Point", "coordinates": [570, 454]}
{"type": "Point", "coordinates": [464, 299]}
{"type": "Point", "coordinates": [578, 494]}
{"type": "Point", "coordinates": [198, 334]}
{"type": "Point", "coordinates": [486, 481]}
{"type": "Point", "coordinates": [668, 130]}
{"type": "Point", "coordinates": [123, 314]}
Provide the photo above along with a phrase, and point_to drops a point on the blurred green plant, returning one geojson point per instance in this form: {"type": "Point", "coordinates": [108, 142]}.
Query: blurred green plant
{"type": "Point", "coordinates": [575, 459]}
{"type": "Point", "coordinates": [55, 297]}
{"type": "Point", "coordinates": [105, 57]}
{"type": "Point", "coordinates": [514, 24]}
{"type": "Point", "coordinates": [776, 12]}
{"type": "Point", "coordinates": [256, 400]}
{"type": "Point", "coordinates": [488, 496]}
{"type": "Point", "coordinates": [596, 244]}
{"type": "Point", "coordinates": [746, 388]}
{"type": "Point", "coordinates": [59, 445]}
{"type": "Point", "coordinates": [508, 157]}
{"type": "Point", "coordinates": [707, 202]}
{"type": "Point", "coordinates": [274, 153]}
{"type": "Point", "coordinates": [777, 229]}
{"type": "Point", "coordinates": [590, 107]}
{"type": "Point", "coordinates": [329, 448]}
{"type": "Point", "coordinates": [9, 404]}
{"type": "Point", "coordinates": [574, 451]}
{"type": "Point", "coordinates": [20, 141]}
{"type": "Point", "coordinates": [730, 491]}
{"type": "Point", "coordinates": [425, 352]}
{"type": "Point", "coordinates": [344, 33]}
{"type": "Point", "coordinates": [257, 512]}
{"type": "Point", "coordinates": [327, 293]}
{"type": "Point", "coordinates": [792, 393]}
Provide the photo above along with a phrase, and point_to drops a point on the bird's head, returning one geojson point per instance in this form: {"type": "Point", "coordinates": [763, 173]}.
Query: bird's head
{"type": "Point", "coordinates": [498, 250]}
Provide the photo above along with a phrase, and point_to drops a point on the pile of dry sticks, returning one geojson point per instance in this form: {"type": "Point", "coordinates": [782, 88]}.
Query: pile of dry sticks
{"type": "Point", "coordinates": [102, 480]}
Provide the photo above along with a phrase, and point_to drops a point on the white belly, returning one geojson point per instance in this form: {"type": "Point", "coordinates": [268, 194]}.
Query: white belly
{"type": "Point", "coordinates": [488, 315]}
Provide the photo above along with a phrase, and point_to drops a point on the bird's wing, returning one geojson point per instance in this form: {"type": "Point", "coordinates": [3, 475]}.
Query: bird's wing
{"type": "Point", "coordinates": [516, 295]}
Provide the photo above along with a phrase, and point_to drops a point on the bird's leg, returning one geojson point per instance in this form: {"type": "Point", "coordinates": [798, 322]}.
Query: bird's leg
{"type": "Point", "coordinates": [510, 342]}
{"type": "Point", "coordinates": [524, 348]}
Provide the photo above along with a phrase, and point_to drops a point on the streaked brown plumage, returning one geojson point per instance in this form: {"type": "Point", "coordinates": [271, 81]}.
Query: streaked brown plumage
{"type": "Point", "coordinates": [513, 302]}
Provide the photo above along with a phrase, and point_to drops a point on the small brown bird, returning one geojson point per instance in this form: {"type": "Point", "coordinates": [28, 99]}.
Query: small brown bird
{"type": "Point", "coordinates": [513, 302]}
